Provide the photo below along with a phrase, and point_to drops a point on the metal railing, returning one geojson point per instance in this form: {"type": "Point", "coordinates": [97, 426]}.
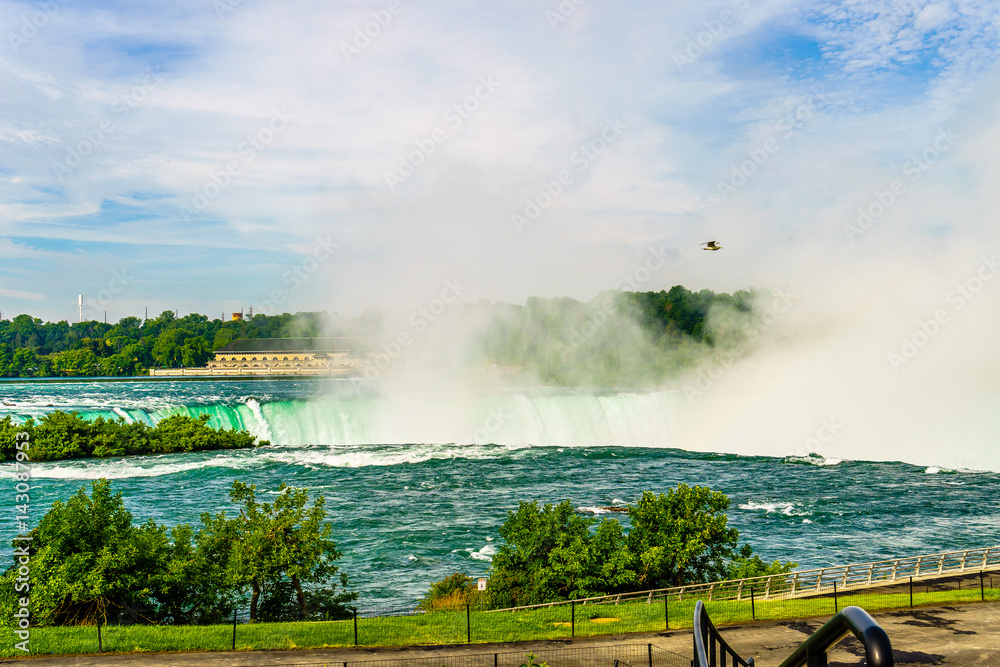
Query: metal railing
{"type": "Point", "coordinates": [710, 649]}
{"type": "Point", "coordinates": [814, 582]}
{"type": "Point", "coordinates": [812, 652]}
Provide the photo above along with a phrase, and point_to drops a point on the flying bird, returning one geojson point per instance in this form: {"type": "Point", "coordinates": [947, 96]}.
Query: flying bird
{"type": "Point", "coordinates": [712, 245]}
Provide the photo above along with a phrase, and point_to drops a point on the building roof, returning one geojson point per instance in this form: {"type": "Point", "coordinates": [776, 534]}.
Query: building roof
{"type": "Point", "coordinates": [340, 344]}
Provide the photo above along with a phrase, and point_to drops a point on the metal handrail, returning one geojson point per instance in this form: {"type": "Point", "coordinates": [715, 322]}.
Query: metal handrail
{"type": "Point", "coordinates": [819, 581]}
{"type": "Point", "coordinates": [812, 652]}
{"type": "Point", "coordinates": [709, 644]}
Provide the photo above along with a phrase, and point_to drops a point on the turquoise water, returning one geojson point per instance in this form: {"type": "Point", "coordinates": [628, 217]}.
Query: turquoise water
{"type": "Point", "coordinates": [418, 482]}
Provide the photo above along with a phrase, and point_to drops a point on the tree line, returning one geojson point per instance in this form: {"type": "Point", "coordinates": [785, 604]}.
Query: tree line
{"type": "Point", "coordinates": [552, 553]}
{"type": "Point", "coordinates": [67, 435]}
{"type": "Point", "coordinates": [91, 564]}
{"type": "Point", "coordinates": [32, 348]}
{"type": "Point", "coordinates": [614, 338]}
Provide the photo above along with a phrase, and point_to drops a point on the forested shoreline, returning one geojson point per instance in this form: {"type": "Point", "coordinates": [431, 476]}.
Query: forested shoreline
{"type": "Point", "coordinates": [32, 348]}
{"type": "Point", "coordinates": [66, 435]}
{"type": "Point", "coordinates": [550, 335]}
{"type": "Point", "coordinates": [93, 563]}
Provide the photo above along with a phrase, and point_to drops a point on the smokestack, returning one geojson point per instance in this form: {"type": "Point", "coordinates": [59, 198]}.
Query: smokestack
{"type": "Point", "coordinates": [79, 300]}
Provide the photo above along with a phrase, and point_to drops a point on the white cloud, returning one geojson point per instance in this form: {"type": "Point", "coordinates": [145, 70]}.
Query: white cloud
{"type": "Point", "coordinates": [325, 174]}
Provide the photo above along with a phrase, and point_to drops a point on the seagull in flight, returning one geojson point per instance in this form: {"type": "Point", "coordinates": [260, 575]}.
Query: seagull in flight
{"type": "Point", "coordinates": [712, 245]}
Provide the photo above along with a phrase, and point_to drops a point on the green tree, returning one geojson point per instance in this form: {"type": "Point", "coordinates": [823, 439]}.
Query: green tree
{"type": "Point", "coordinates": [168, 349]}
{"type": "Point", "coordinates": [547, 556]}
{"type": "Point", "coordinates": [682, 536]}
{"type": "Point", "coordinates": [25, 363]}
{"type": "Point", "coordinates": [6, 360]}
{"type": "Point", "coordinates": [90, 562]}
{"type": "Point", "coordinates": [195, 352]}
{"type": "Point", "coordinates": [552, 553]}
{"type": "Point", "coordinates": [73, 363]}
{"type": "Point", "coordinates": [67, 435]}
{"type": "Point", "coordinates": [190, 586]}
{"type": "Point", "coordinates": [285, 546]}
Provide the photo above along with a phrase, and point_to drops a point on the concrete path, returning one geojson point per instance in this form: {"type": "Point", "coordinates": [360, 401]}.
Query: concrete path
{"type": "Point", "coordinates": [967, 635]}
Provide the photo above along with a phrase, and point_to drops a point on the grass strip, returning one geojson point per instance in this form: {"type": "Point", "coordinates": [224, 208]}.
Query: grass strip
{"type": "Point", "coordinates": [444, 627]}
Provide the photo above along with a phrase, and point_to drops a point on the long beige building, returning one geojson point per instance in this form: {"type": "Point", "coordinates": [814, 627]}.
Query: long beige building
{"type": "Point", "coordinates": [338, 357]}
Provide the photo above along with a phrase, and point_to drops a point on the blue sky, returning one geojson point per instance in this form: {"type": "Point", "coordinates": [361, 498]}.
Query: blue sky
{"type": "Point", "coordinates": [208, 149]}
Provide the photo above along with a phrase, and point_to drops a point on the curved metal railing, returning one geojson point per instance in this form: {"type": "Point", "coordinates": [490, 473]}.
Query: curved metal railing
{"type": "Point", "coordinates": [812, 652]}
{"type": "Point", "coordinates": [710, 649]}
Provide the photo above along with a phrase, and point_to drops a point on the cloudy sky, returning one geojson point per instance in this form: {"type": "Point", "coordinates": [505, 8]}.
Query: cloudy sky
{"type": "Point", "coordinates": [212, 155]}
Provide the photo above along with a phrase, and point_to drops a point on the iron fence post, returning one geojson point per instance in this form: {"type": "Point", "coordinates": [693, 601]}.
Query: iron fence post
{"type": "Point", "coordinates": [649, 647]}
{"type": "Point", "coordinates": [100, 645]}
{"type": "Point", "coordinates": [468, 624]}
{"type": "Point", "coordinates": [835, 606]}
{"type": "Point", "coordinates": [234, 628]}
{"type": "Point", "coordinates": [666, 611]}
{"type": "Point", "coordinates": [355, 626]}
{"type": "Point", "coordinates": [982, 589]}
{"type": "Point", "coordinates": [753, 609]}
{"type": "Point", "coordinates": [572, 618]}
{"type": "Point", "coordinates": [911, 592]}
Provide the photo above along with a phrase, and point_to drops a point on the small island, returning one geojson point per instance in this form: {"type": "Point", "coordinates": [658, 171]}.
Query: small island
{"type": "Point", "coordinates": [66, 435]}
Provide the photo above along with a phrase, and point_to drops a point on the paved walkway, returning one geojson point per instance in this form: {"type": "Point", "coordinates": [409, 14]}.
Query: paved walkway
{"type": "Point", "coordinates": [967, 635]}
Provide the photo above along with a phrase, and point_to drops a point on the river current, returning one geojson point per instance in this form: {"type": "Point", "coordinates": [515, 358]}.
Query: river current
{"type": "Point", "coordinates": [417, 483]}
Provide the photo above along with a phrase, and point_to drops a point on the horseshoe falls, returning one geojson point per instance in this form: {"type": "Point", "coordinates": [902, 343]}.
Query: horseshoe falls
{"type": "Point", "coordinates": [419, 478]}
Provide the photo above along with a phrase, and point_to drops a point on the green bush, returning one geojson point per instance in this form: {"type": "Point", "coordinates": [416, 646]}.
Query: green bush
{"type": "Point", "coordinates": [66, 435]}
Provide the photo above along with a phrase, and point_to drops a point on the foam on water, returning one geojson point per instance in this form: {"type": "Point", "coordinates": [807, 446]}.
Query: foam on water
{"type": "Point", "coordinates": [132, 466]}
{"type": "Point", "coordinates": [379, 455]}
{"type": "Point", "coordinates": [485, 554]}
{"type": "Point", "coordinates": [788, 509]}
{"type": "Point", "coordinates": [814, 459]}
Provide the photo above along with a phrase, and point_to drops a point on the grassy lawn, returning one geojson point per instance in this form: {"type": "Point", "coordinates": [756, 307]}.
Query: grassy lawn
{"type": "Point", "coordinates": [450, 627]}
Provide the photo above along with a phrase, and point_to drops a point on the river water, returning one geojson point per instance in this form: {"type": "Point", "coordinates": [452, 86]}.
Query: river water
{"type": "Point", "coordinates": [418, 482]}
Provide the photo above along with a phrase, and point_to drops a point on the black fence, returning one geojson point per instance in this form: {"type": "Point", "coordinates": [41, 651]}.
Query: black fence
{"type": "Point", "coordinates": [654, 613]}
{"type": "Point", "coordinates": [625, 655]}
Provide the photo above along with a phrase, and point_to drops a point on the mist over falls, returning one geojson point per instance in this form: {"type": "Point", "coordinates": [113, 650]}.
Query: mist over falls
{"type": "Point", "coordinates": [751, 373]}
